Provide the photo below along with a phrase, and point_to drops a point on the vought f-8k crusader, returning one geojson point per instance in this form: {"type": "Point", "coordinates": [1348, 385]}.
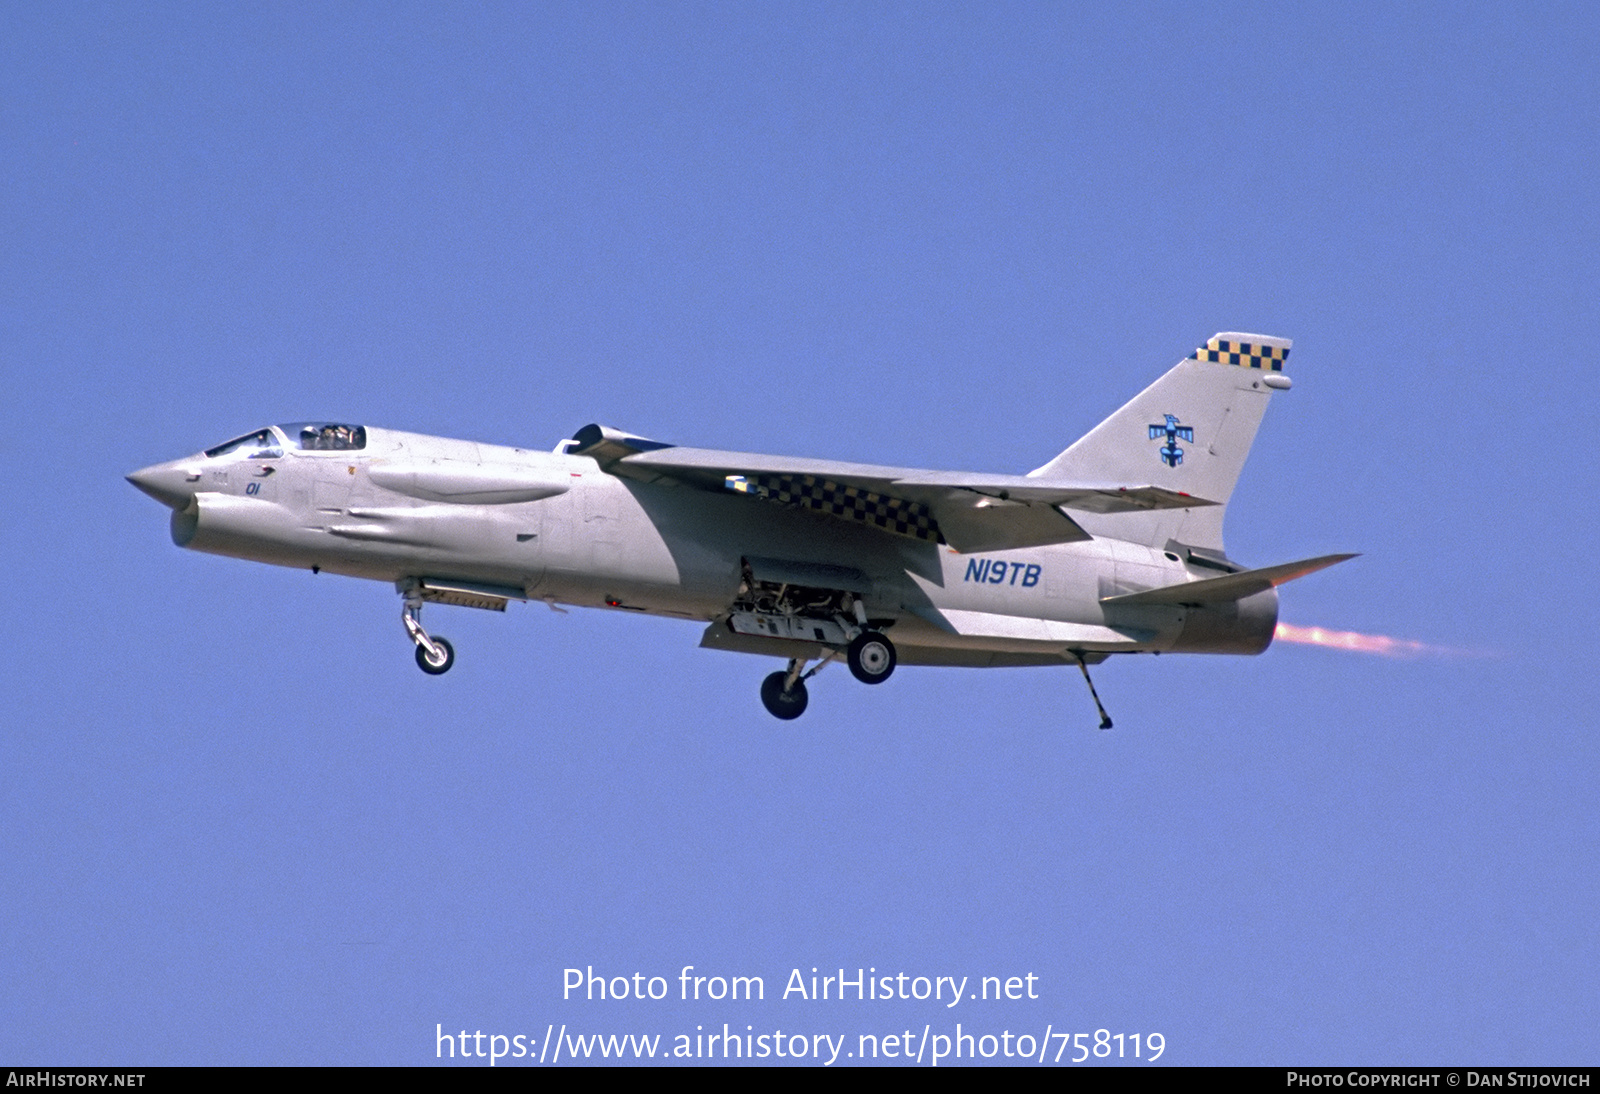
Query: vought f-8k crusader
{"type": "Point", "coordinates": [1114, 546]}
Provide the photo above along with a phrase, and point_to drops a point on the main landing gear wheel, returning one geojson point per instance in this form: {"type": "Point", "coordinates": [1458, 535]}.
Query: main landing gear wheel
{"type": "Point", "coordinates": [436, 666]}
{"type": "Point", "coordinates": [780, 703]}
{"type": "Point", "coordinates": [872, 658]}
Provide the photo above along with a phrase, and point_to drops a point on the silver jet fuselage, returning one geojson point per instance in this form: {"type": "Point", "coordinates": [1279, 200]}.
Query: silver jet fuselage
{"type": "Point", "coordinates": [1114, 546]}
{"type": "Point", "coordinates": [557, 527]}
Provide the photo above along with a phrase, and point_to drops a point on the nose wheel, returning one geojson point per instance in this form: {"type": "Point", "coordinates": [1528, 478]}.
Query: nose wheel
{"type": "Point", "coordinates": [434, 655]}
{"type": "Point", "coordinates": [439, 661]}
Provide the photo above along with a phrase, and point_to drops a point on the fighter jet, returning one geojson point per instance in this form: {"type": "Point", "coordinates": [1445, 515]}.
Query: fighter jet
{"type": "Point", "coordinates": [1114, 546]}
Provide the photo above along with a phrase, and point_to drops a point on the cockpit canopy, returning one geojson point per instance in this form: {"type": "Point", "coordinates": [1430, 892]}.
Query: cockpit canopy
{"type": "Point", "coordinates": [268, 444]}
{"type": "Point", "coordinates": [263, 444]}
{"type": "Point", "coordinates": [326, 436]}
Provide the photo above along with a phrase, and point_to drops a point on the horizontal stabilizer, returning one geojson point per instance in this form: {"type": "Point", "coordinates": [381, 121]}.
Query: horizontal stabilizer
{"type": "Point", "coordinates": [1216, 590]}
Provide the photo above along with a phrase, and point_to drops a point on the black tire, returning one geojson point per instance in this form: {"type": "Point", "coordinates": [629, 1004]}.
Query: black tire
{"type": "Point", "coordinates": [787, 705]}
{"type": "Point", "coordinates": [872, 658]}
{"type": "Point", "coordinates": [428, 666]}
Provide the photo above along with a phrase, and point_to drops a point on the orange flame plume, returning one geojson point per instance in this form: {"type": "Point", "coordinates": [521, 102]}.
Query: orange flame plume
{"type": "Point", "coordinates": [1379, 644]}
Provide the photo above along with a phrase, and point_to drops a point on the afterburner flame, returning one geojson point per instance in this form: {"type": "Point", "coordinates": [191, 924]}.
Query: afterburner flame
{"type": "Point", "coordinates": [1381, 645]}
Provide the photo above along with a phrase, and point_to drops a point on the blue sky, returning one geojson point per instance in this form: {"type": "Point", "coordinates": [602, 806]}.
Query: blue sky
{"type": "Point", "coordinates": [238, 826]}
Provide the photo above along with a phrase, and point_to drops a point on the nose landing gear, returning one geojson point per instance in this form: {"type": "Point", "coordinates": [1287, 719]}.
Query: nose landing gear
{"type": "Point", "coordinates": [438, 662]}
{"type": "Point", "coordinates": [434, 655]}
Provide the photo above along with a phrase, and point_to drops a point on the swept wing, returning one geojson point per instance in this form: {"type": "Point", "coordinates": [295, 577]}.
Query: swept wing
{"type": "Point", "coordinates": [970, 512]}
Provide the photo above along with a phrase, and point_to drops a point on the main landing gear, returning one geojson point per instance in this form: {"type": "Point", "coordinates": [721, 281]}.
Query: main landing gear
{"type": "Point", "coordinates": [784, 693]}
{"type": "Point", "coordinates": [434, 655]}
{"type": "Point", "coordinates": [771, 606]}
{"type": "Point", "coordinates": [871, 658]}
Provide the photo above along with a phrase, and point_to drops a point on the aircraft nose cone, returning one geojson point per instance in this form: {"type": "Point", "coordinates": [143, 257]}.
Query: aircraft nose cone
{"type": "Point", "coordinates": [168, 483]}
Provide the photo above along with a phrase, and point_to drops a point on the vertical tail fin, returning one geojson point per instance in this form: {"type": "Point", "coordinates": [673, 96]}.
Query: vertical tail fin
{"type": "Point", "coordinates": [1189, 431]}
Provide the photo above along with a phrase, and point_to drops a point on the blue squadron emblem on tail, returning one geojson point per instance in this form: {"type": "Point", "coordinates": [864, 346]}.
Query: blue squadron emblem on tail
{"type": "Point", "coordinates": [1171, 454]}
